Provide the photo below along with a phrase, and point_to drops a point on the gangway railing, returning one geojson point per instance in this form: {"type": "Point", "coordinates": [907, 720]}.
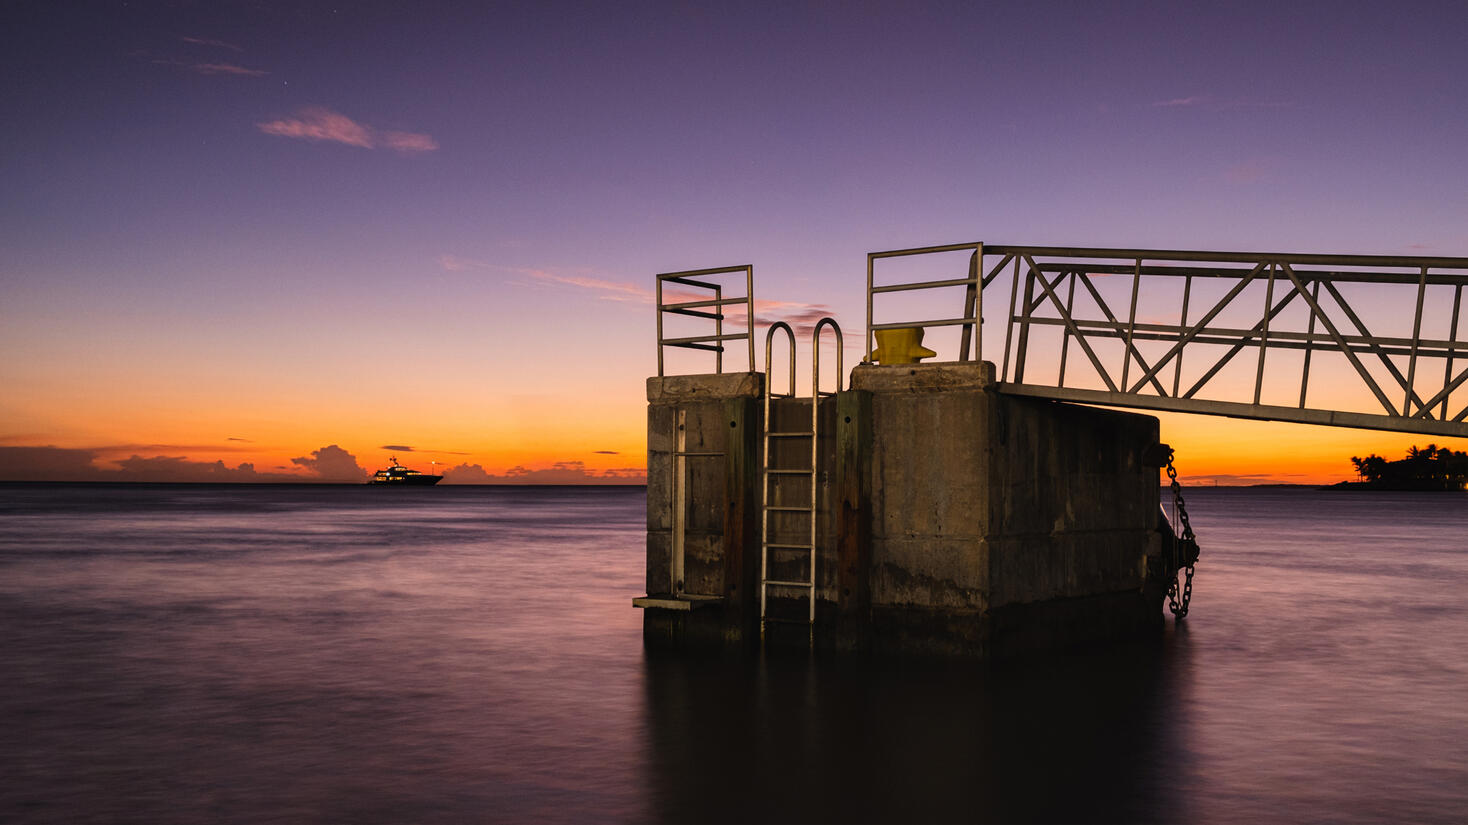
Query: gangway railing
{"type": "Point", "coordinates": [1393, 377]}
{"type": "Point", "coordinates": [1136, 359]}
{"type": "Point", "coordinates": [709, 309]}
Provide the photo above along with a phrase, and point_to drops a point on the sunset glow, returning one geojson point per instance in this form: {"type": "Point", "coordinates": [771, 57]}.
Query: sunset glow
{"type": "Point", "coordinates": [261, 245]}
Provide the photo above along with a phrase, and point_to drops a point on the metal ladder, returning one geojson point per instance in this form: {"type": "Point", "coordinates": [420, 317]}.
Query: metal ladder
{"type": "Point", "coordinates": [770, 475]}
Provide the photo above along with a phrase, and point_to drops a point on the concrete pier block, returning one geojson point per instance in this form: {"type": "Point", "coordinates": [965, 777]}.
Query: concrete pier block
{"type": "Point", "coordinates": [985, 506]}
{"type": "Point", "coordinates": [952, 519]}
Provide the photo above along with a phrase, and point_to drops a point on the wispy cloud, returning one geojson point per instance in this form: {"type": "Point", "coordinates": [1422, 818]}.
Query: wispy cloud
{"type": "Point", "coordinates": [205, 41]}
{"type": "Point", "coordinates": [453, 263]}
{"type": "Point", "coordinates": [608, 290]}
{"type": "Point", "coordinates": [404, 448]}
{"type": "Point", "coordinates": [317, 123]}
{"type": "Point", "coordinates": [1219, 104]}
{"type": "Point", "coordinates": [212, 68]}
{"type": "Point", "coordinates": [1181, 101]}
{"type": "Point", "coordinates": [1249, 171]}
{"type": "Point", "coordinates": [801, 316]}
{"type": "Point", "coordinates": [409, 143]}
{"type": "Point", "coordinates": [227, 68]}
{"type": "Point", "coordinates": [606, 452]}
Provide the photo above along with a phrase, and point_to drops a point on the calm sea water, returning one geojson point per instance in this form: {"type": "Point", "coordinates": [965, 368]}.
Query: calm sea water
{"type": "Point", "coordinates": [352, 654]}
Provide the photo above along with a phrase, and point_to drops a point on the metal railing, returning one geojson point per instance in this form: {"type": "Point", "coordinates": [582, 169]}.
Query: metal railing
{"type": "Point", "coordinates": [711, 309]}
{"type": "Point", "coordinates": [973, 296]}
{"type": "Point", "coordinates": [1404, 386]}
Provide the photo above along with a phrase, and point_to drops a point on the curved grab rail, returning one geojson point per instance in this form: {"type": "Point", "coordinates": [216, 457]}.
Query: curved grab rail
{"type": "Point", "coordinates": [815, 370]}
{"type": "Point", "coordinates": [769, 351]}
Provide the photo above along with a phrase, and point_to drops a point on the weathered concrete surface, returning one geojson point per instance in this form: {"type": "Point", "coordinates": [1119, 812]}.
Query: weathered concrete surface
{"type": "Point", "coordinates": [999, 523]}
{"type": "Point", "coordinates": [712, 497]}
{"type": "Point", "coordinates": [675, 389]}
{"type": "Point", "coordinates": [951, 519]}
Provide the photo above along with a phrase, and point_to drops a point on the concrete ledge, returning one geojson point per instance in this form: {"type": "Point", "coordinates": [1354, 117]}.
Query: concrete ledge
{"type": "Point", "coordinates": [671, 389]}
{"type": "Point", "coordinates": [923, 378]}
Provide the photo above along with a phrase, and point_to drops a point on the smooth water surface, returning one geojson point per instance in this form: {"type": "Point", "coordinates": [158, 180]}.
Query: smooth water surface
{"type": "Point", "coordinates": [463, 654]}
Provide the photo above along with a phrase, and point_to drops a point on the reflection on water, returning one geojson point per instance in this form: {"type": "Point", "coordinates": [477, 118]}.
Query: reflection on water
{"type": "Point", "coordinates": [237, 654]}
{"type": "Point", "coordinates": [1083, 738]}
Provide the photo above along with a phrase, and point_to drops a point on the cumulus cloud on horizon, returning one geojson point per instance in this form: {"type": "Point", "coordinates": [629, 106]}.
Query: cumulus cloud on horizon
{"type": "Point", "coordinates": [50, 463]}
{"type": "Point", "coordinates": [562, 472]}
{"type": "Point", "coordinates": [318, 123]}
{"type": "Point", "coordinates": [332, 463]}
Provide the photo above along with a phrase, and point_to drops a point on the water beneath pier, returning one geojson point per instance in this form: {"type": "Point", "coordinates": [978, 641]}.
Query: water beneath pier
{"type": "Point", "coordinates": [314, 654]}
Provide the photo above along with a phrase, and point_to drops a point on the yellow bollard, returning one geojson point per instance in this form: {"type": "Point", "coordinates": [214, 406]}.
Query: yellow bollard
{"type": "Point", "coordinates": [900, 346]}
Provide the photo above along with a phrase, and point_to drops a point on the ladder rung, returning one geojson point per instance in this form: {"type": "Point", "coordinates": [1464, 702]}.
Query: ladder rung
{"type": "Point", "coordinates": [772, 582]}
{"type": "Point", "coordinates": [773, 546]}
{"type": "Point", "coordinates": [775, 472]}
{"type": "Point", "coordinates": [773, 620]}
{"type": "Point", "coordinates": [688, 453]}
{"type": "Point", "coordinates": [774, 509]}
{"type": "Point", "coordinates": [789, 435]}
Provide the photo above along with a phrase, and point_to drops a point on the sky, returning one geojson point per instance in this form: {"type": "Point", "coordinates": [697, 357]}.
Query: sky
{"type": "Point", "coordinates": [287, 241]}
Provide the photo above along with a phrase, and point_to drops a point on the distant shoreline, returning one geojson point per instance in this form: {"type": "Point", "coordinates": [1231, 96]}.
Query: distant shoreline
{"type": "Point", "coordinates": [1388, 488]}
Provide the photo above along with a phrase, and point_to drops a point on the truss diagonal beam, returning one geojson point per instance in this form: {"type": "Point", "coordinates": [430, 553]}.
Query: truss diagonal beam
{"type": "Point", "coordinates": [1340, 341]}
{"type": "Point", "coordinates": [1448, 388]}
{"type": "Point", "coordinates": [1070, 323]}
{"type": "Point", "coordinates": [1085, 279]}
{"type": "Point", "coordinates": [1027, 317]}
{"type": "Point", "coordinates": [1253, 333]}
{"type": "Point", "coordinates": [1376, 348]}
{"type": "Point", "coordinates": [1198, 327]}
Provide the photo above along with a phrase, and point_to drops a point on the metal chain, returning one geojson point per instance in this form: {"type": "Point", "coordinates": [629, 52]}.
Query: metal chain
{"type": "Point", "coordinates": [1185, 548]}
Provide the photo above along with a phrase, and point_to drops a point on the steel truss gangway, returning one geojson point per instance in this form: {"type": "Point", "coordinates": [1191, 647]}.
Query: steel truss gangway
{"type": "Point", "coordinates": [1397, 378]}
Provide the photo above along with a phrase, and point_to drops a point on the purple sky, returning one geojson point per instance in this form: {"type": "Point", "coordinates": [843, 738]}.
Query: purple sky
{"type": "Point", "coordinates": [222, 204]}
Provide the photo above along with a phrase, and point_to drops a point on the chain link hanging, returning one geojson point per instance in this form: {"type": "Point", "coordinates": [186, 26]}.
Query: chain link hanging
{"type": "Point", "coordinates": [1185, 548]}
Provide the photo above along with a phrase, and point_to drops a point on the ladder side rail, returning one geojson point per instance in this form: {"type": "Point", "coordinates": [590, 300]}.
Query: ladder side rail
{"type": "Point", "coordinates": [765, 504]}
{"type": "Point", "coordinates": [815, 438]}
